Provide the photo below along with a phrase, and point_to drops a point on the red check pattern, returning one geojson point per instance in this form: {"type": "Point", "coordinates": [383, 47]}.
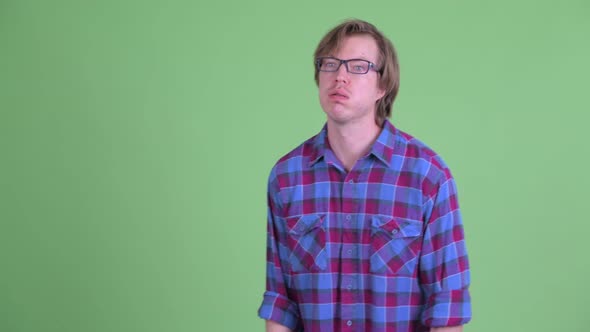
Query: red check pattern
{"type": "Point", "coordinates": [378, 248]}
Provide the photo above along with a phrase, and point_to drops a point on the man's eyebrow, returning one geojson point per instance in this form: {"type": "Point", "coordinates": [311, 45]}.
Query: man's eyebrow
{"type": "Point", "coordinates": [353, 58]}
{"type": "Point", "coordinates": [362, 58]}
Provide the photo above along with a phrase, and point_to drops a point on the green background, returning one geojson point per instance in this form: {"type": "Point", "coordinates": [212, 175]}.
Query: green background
{"type": "Point", "coordinates": [136, 139]}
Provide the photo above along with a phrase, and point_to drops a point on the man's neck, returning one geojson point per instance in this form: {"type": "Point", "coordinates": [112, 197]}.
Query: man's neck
{"type": "Point", "coordinates": [352, 141]}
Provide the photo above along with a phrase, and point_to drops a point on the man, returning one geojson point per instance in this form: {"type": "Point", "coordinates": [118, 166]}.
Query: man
{"type": "Point", "coordinates": [364, 230]}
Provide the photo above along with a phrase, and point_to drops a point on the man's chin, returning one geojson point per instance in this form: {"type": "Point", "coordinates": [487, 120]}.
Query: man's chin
{"type": "Point", "coordinates": [337, 114]}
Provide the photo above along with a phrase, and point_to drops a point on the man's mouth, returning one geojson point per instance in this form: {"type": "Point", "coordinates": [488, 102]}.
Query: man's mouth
{"type": "Point", "coordinates": [339, 95]}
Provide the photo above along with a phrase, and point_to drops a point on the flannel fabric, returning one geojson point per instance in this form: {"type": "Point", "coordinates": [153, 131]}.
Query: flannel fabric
{"type": "Point", "coordinates": [378, 248]}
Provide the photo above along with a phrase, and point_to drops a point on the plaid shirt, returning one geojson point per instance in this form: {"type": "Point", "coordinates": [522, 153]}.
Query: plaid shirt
{"type": "Point", "coordinates": [378, 248]}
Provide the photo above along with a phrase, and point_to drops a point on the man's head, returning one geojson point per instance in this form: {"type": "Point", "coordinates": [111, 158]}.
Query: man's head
{"type": "Point", "coordinates": [386, 65]}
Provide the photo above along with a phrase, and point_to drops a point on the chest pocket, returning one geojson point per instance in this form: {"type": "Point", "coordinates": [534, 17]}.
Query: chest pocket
{"type": "Point", "coordinates": [307, 243]}
{"type": "Point", "coordinates": [395, 245]}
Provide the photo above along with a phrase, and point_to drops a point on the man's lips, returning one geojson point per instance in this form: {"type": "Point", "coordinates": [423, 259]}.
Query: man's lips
{"type": "Point", "coordinates": [339, 94]}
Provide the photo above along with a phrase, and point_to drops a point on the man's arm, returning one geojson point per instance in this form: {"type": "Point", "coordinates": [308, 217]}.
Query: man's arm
{"type": "Point", "coordinates": [276, 306]}
{"type": "Point", "coordinates": [276, 327]}
{"type": "Point", "coordinates": [444, 329]}
{"type": "Point", "coordinates": [444, 266]}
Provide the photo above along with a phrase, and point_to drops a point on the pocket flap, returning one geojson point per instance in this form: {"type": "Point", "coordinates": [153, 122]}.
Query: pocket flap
{"type": "Point", "coordinates": [397, 227]}
{"type": "Point", "coordinates": [303, 224]}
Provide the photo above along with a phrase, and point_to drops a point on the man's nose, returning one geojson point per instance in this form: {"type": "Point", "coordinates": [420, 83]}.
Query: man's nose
{"type": "Point", "coordinates": [342, 74]}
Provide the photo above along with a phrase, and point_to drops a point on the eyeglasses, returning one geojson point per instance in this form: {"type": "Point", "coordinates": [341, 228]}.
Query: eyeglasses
{"type": "Point", "coordinates": [353, 66]}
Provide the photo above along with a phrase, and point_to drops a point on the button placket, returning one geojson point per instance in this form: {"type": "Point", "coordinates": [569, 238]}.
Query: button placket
{"type": "Point", "coordinates": [351, 283]}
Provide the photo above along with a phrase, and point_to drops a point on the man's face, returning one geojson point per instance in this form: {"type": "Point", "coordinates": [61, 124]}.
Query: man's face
{"type": "Point", "coordinates": [351, 98]}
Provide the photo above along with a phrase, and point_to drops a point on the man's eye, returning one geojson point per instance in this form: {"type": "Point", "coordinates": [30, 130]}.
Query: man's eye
{"type": "Point", "coordinates": [359, 67]}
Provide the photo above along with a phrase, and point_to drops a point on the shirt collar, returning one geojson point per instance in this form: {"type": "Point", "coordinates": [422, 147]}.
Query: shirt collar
{"type": "Point", "coordinates": [319, 146]}
{"type": "Point", "coordinates": [382, 149]}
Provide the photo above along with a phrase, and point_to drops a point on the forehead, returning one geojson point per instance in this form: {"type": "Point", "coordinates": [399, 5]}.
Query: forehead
{"type": "Point", "coordinates": [357, 47]}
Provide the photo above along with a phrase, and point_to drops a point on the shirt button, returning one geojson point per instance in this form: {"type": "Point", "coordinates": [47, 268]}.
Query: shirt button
{"type": "Point", "coordinates": [351, 182]}
{"type": "Point", "coordinates": [349, 323]}
{"type": "Point", "coordinates": [348, 217]}
{"type": "Point", "coordinates": [349, 251]}
{"type": "Point", "coordinates": [394, 231]}
{"type": "Point", "coordinates": [349, 286]}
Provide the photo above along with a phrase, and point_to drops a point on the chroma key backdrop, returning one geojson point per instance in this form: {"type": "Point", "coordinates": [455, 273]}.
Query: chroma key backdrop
{"type": "Point", "coordinates": [136, 138]}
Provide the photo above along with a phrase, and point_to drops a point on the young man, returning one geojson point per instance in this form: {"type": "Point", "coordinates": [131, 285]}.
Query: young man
{"type": "Point", "coordinates": [364, 229]}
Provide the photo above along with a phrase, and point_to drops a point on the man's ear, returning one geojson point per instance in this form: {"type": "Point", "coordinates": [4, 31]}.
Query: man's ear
{"type": "Point", "coordinates": [380, 94]}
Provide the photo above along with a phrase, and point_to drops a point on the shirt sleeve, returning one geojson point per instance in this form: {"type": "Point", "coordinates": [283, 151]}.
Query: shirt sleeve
{"type": "Point", "coordinates": [276, 304]}
{"type": "Point", "coordinates": [444, 267]}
